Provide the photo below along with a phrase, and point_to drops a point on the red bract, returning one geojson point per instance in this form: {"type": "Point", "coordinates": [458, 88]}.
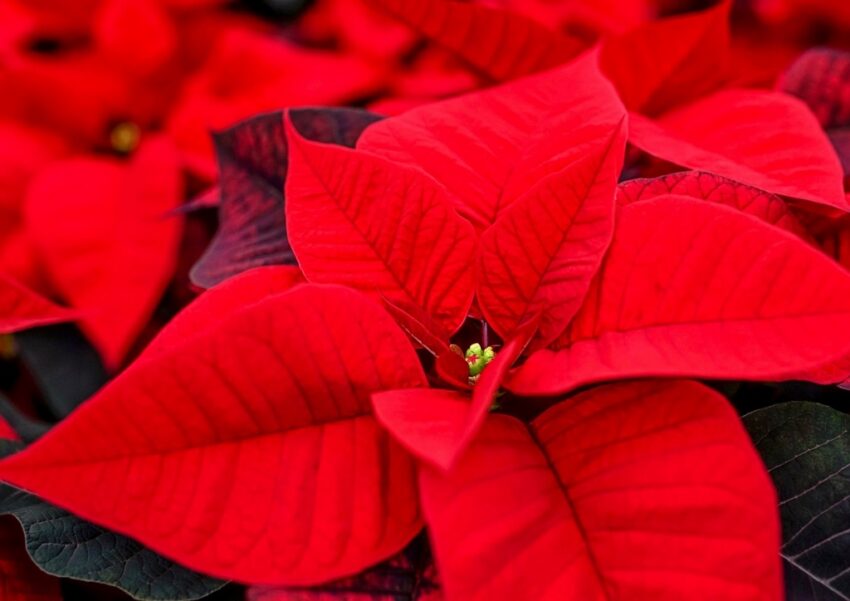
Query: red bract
{"type": "Point", "coordinates": [403, 238]}
{"type": "Point", "coordinates": [21, 308]}
{"type": "Point", "coordinates": [227, 478]}
{"type": "Point", "coordinates": [253, 160]}
{"type": "Point", "coordinates": [663, 64]}
{"type": "Point", "coordinates": [763, 139]}
{"type": "Point", "coordinates": [275, 431]}
{"type": "Point", "coordinates": [714, 189]}
{"type": "Point", "coordinates": [137, 35]}
{"type": "Point", "coordinates": [117, 259]}
{"type": "Point", "coordinates": [634, 491]}
{"type": "Point", "coordinates": [249, 73]}
{"type": "Point", "coordinates": [489, 148]}
{"type": "Point", "coordinates": [500, 45]}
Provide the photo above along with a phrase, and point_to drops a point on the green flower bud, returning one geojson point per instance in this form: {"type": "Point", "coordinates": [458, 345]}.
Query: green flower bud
{"type": "Point", "coordinates": [477, 359]}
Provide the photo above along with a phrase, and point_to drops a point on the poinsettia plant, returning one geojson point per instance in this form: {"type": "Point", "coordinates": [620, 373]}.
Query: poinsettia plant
{"type": "Point", "coordinates": [482, 349]}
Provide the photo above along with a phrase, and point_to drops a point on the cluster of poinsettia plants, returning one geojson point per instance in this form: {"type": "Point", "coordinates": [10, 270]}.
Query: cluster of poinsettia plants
{"type": "Point", "coordinates": [496, 346]}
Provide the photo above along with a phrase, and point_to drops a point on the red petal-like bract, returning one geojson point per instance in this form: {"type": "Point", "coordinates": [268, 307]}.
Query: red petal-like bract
{"type": "Point", "coordinates": [821, 79]}
{"type": "Point", "coordinates": [7, 433]}
{"type": "Point", "coordinates": [110, 251]}
{"type": "Point", "coordinates": [252, 159]}
{"type": "Point", "coordinates": [220, 301]}
{"type": "Point", "coordinates": [641, 491]}
{"type": "Point", "coordinates": [21, 308]}
{"type": "Point", "coordinates": [499, 44]}
{"type": "Point", "coordinates": [713, 188]}
{"type": "Point", "coordinates": [436, 424]}
{"type": "Point", "coordinates": [699, 289]}
{"type": "Point", "coordinates": [489, 148]}
{"type": "Point", "coordinates": [250, 451]}
{"type": "Point", "coordinates": [763, 139]}
{"type": "Point", "coordinates": [420, 327]}
{"type": "Point", "coordinates": [664, 63]}
{"type": "Point", "coordinates": [543, 251]}
{"type": "Point", "coordinates": [356, 219]}
{"type": "Point", "coordinates": [138, 36]}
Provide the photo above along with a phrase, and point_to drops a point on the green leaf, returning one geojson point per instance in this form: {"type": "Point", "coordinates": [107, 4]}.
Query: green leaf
{"type": "Point", "coordinates": [66, 546]}
{"type": "Point", "coordinates": [806, 448]}
{"type": "Point", "coordinates": [65, 365]}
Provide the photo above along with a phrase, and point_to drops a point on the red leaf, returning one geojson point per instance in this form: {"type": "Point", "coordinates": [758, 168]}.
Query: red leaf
{"type": "Point", "coordinates": [248, 452]}
{"type": "Point", "coordinates": [763, 139]}
{"type": "Point", "coordinates": [21, 308]}
{"type": "Point", "coordinates": [452, 369]}
{"type": "Point", "coordinates": [821, 79]}
{"type": "Point", "coordinates": [251, 72]}
{"type": "Point", "coordinates": [490, 147]}
{"type": "Point", "coordinates": [697, 289]}
{"type": "Point", "coordinates": [231, 296]}
{"type": "Point", "coordinates": [430, 423]}
{"type": "Point", "coordinates": [24, 151]}
{"type": "Point", "coordinates": [419, 326]}
{"type": "Point", "coordinates": [356, 219]}
{"type": "Point", "coordinates": [640, 491]}
{"type": "Point", "coordinates": [252, 159]}
{"type": "Point", "coordinates": [110, 252]}
{"type": "Point", "coordinates": [665, 63]}
{"type": "Point", "coordinates": [20, 579]}
{"type": "Point", "coordinates": [542, 253]}
{"type": "Point", "coordinates": [7, 433]}
{"type": "Point", "coordinates": [437, 425]}
{"type": "Point", "coordinates": [137, 35]}
{"type": "Point", "coordinates": [501, 45]}
{"type": "Point", "coordinates": [713, 188]}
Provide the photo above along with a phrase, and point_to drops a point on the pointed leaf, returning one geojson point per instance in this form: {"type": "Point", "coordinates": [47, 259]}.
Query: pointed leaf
{"type": "Point", "coordinates": [222, 300]}
{"type": "Point", "coordinates": [248, 452]}
{"type": "Point", "coordinates": [665, 63]}
{"type": "Point", "coordinates": [690, 288]}
{"type": "Point", "coordinates": [389, 230]}
{"type": "Point", "coordinates": [714, 188]}
{"type": "Point", "coordinates": [21, 308]}
{"type": "Point", "coordinates": [767, 140]}
{"type": "Point", "coordinates": [542, 253]}
{"type": "Point", "coordinates": [420, 327]}
{"type": "Point", "coordinates": [806, 447]}
{"type": "Point", "coordinates": [821, 79]}
{"type": "Point", "coordinates": [452, 369]}
{"type": "Point", "coordinates": [437, 425]}
{"type": "Point", "coordinates": [490, 147]}
{"type": "Point", "coordinates": [64, 364]}
{"type": "Point", "coordinates": [252, 158]}
{"type": "Point", "coordinates": [100, 227]}
{"type": "Point", "coordinates": [643, 490]}
{"type": "Point", "coordinates": [499, 44]}
{"type": "Point", "coordinates": [67, 547]}
{"type": "Point", "coordinates": [6, 430]}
